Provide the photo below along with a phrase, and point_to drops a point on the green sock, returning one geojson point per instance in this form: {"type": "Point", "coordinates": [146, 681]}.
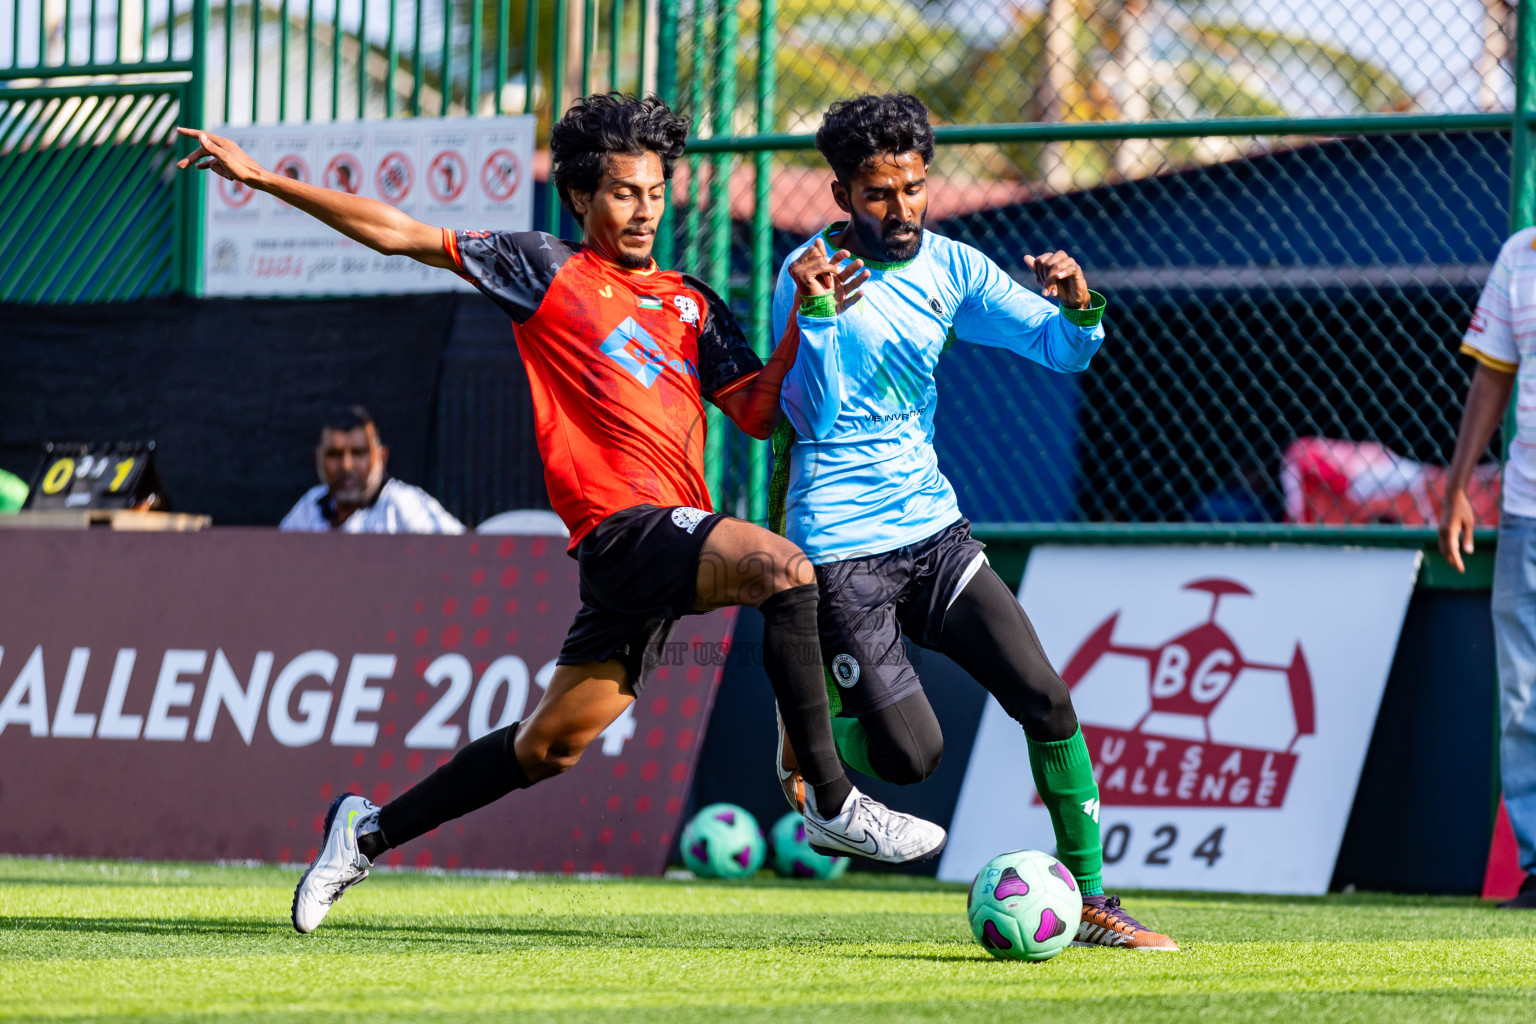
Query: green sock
{"type": "Point", "coordinates": [853, 745]}
{"type": "Point", "coordinates": [1063, 776]}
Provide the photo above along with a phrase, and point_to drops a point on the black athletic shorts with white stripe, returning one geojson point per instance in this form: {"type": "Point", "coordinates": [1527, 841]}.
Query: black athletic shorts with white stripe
{"type": "Point", "coordinates": [866, 604]}
{"type": "Point", "coordinates": [637, 571]}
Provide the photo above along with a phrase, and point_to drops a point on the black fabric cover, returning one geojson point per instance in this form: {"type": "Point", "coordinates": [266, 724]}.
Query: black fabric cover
{"type": "Point", "coordinates": [232, 390]}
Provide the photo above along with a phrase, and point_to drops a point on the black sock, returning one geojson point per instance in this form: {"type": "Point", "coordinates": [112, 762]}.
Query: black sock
{"type": "Point", "coordinates": [481, 773]}
{"type": "Point", "coordinates": [792, 658]}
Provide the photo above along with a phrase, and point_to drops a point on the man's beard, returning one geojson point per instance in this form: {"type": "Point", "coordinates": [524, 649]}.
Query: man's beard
{"type": "Point", "coordinates": [874, 242]}
{"type": "Point", "coordinates": [630, 261]}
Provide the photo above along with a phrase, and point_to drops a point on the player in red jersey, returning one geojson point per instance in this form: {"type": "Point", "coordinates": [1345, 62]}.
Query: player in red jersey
{"type": "Point", "coordinates": [620, 356]}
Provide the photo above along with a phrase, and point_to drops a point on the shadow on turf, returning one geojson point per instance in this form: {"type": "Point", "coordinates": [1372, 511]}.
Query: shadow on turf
{"type": "Point", "coordinates": [244, 926]}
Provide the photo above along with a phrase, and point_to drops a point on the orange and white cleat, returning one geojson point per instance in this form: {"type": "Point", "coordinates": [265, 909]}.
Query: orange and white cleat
{"type": "Point", "coordinates": [1105, 923]}
{"type": "Point", "coordinates": [788, 768]}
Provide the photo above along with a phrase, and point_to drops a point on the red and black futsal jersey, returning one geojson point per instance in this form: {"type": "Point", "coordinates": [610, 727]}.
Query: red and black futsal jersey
{"type": "Point", "coordinates": [619, 363]}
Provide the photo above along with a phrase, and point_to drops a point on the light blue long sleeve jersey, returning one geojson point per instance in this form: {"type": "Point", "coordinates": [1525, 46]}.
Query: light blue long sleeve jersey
{"type": "Point", "coordinates": [863, 476]}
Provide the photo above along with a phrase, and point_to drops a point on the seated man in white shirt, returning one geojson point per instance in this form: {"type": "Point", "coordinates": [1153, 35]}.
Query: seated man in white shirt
{"type": "Point", "coordinates": [357, 496]}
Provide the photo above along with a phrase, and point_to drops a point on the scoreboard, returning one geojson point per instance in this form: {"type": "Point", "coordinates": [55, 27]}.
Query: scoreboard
{"type": "Point", "coordinates": [106, 475]}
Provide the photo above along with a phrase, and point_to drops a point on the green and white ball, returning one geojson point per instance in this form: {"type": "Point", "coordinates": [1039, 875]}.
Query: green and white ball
{"type": "Point", "coordinates": [792, 853]}
{"type": "Point", "coordinates": [723, 841]}
{"type": "Point", "coordinates": [1024, 905]}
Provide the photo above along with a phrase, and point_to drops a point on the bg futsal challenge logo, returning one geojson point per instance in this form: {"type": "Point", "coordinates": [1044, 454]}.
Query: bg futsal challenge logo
{"type": "Point", "coordinates": [1171, 756]}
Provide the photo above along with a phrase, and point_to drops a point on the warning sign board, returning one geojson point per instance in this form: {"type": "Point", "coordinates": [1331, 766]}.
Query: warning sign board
{"type": "Point", "coordinates": [293, 166]}
{"type": "Point", "coordinates": [464, 173]}
{"type": "Point", "coordinates": [233, 193]}
{"type": "Point", "coordinates": [499, 175]}
{"type": "Point", "coordinates": [393, 178]}
{"type": "Point", "coordinates": [446, 176]}
{"type": "Point", "coordinates": [344, 173]}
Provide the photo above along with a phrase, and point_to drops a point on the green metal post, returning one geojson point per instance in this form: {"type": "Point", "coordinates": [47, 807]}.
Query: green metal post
{"type": "Point", "coordinates": [588, 44]}
{"type": "Point", "coordinates": [696, 108]}
{"type": "Point", "coordinates": [335, 59]}
{"type": "Point", "coordinates": [762, 237]}
{"type": "Point", "coordinates": [362, 61]}
{"type": "Point", "coordinates": [1522, 214]}
{"type": "Point", "coordinates": [1522, 199]}
{"type": "Point", "coordinates": [69, 18]}
{"type": "Point", "coordinates": [445, 74]}
{"type": "Point", "coordinates": [530, 56]}
{"type": "Point", "coordinates": [1522, 171]}
{"type": "Point", "coordinates": [391, 62]}
{"type": "Point", "coordinates": [666, 88]}
{"type": "Point", "coordinates": [556, 104]}
{"type": "Point", "coordinates": [193, 185]}
{"type": "Point", "coordinates": [615, 34]}
{"type": "Point", "coordinates": [417, 64]}
{"type": "Point", "coordinates": [255, 59]}
{"type": "Point", "coordinates": [90, 56]}
{"type": "Point", "coordinates": [643, 35]}
{"type": "Point", "coordinates": [503, 39]}
{"type": "Point", "coordinates": [309, 62]}
{"type": "Point", "coordinates": [472, 97]}
{"type": "Point", "coordinates": [229, 55]}
{"type": "Point", "coordinates": [282, 67]}
{"type": "Point", "coordinates": [728, 31]}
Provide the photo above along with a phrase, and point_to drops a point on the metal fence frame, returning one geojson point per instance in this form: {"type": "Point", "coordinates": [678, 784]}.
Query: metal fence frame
{"type": "Point", "coordinates": [698, 221]}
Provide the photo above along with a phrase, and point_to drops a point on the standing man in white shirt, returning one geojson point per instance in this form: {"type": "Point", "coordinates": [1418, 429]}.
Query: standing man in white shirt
{"type": "Point", "coordinates": [1502, 338]}
{"type": "Point", "coordinates": [356, 496]}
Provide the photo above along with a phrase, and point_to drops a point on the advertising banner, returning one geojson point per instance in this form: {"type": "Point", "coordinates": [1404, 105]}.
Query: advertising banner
{"type": "Point", "coordinates": [1227, 696]}
{"type": "Point", "coordinates": [462, 173]}
{"type": "Point", "coordinates": [205, 696]}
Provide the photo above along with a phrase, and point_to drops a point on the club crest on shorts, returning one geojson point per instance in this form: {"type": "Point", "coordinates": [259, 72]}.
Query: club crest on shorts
{"type": "Point", "coordinates": [687, 309]}
{"type": "Point", "coordinates": [688, 518]}
{"type": "Point", "coordinates": [845, 670]}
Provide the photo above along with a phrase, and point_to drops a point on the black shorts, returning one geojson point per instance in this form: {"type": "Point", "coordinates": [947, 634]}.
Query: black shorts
{"type": "Point", "coordinates": [868, 603]}
{"type": "Point", "coordinates": [637, 572]}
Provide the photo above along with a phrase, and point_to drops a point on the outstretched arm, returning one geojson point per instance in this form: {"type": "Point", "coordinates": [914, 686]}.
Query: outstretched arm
{"type": "Point", "coordinates": [999, 312]}
{"type": "Point", "coordinates": [377, 225]}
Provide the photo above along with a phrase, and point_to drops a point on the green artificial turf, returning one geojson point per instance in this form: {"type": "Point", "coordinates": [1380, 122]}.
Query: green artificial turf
{"type": "Point", "coordinates": [115, 940]}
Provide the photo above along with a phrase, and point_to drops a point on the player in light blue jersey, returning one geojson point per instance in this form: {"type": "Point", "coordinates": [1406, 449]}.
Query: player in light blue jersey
{"type": "Point", "coordinates": [859, 490]}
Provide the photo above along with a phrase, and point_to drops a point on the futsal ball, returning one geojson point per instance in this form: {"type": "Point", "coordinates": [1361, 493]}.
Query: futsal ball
{"type": "Point", "coordinates": [723, 841]}
{"type": "Point", "coordinates": [792, 853]}
{"type": "Point", "coordinates": [1024, 905]}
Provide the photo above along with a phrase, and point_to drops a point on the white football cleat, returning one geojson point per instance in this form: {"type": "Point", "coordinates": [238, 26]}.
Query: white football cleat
{"type": "Point", "coordinates": [788, 768]}
{"type": "Point", "coordinates": [867, 828]}
{"type": "Point", "coordinates": [340, 864]}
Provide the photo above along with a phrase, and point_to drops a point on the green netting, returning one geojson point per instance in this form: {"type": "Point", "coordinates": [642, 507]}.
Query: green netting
{"type": "Point", "coordinates": [1285, 309]}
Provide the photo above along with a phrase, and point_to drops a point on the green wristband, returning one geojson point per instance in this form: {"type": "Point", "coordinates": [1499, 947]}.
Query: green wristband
{"type": "Point", "coordinates": [1089, 317]}
{"type": "Point", "coordinates": [823, 305]}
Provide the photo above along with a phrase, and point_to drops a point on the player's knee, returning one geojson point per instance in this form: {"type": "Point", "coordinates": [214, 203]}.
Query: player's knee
{"type": "Point", "coordinates": [787, 569]}
{"type": "Point", "coordinates": [1052, 718]}
{"type": "Point", "coordinates": [907, 765]}
{"type": "Point", "coordinates": [545, 760]}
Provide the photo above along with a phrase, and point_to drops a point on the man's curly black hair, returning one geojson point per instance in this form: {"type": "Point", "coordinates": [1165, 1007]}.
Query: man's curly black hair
{"type": "Point", "coordinates": [613, 122]}
{"type": "Point", "coordinates": [857, 130]}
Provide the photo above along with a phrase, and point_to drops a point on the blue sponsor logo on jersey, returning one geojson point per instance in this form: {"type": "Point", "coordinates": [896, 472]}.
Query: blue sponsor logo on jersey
{"type": "Point", "coordinates": [633, 348]}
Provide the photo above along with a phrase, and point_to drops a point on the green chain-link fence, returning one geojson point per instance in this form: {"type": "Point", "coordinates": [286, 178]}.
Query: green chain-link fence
{"type": "Point", "coordinates": [1291, 207]}
{"type": "Point", "coordinates": [1291, 211]}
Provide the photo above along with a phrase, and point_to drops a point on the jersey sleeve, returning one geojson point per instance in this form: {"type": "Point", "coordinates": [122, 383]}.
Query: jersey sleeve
{"type": "Point", "coordinates": [727, 361]}
{"type": "Point", "coordinates": [1490, 337]}
{"type": "Point", "coordinates": [513, 268]}
{"type": "Point", "coordinates": [999, 312]}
